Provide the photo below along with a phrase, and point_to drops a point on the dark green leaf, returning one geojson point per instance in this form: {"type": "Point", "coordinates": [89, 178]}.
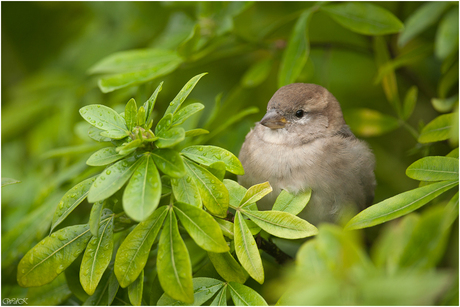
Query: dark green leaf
{"type": "Point", "coordinates": [101, 295]}
{"type": "Point", "coordinates": [291, 203]}
{"type": "Point", "coordinates": [135, 290]}
{"type": "Point", "coordinates": [183, 94]}
{"type": "Point", "coordinates": [447, 35]}
{"type": "Point", "coordinates": [183, 113]}
{"type": "Point", "coordinates": [255, 193]}
{"type": "Point", "coordinates": [409, 102]}
{"type": "Point", "coordinates": [150, 103]}
{"type": "Point", "coordinates": [104, 118]}
{"type": "Point", "coordinates": [227, 267]}
{"type": "Point", "coordinates": [367, 122]}
{"type": "Point", "coordinates": [208, 155]}
{"type": "Point", "coordinates": [257, 73]}
{"type": "Point", "coordinates": [52, 294]}
{"type": "Point", "coordinates": [226, 227]}
{"type": "Point", "coordinates": [169, 162]}
{"type": "Point", "coordinates": [164, 124]}
{"type": "Point", "coordinates": [433, 169]}
{"type": "Point", "coordinates": [104, 156]}
{"type": "Point", "coordinates": [221, 298]}
{"type": "Point", "coordinates": [170, 137]}
{"type": "Point", "coordinates": [95, 217]}
{"type": "Point", "coordinates": [112, 287]}
{"type": "Point", "coordinates": [437, 130]}
{"type": "Point", "coordinates": [244, 296]}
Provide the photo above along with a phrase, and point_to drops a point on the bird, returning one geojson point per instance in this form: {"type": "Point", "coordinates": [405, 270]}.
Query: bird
{"type": "Point", "coordinates": [303, 142]}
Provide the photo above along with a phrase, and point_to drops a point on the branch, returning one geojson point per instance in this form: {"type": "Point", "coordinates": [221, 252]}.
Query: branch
{"type": "Point", "coordinates": [270, 248]}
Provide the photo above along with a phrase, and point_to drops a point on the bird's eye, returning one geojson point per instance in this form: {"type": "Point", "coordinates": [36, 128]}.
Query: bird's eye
{"type": "Point", "coordinates": [299, 113]}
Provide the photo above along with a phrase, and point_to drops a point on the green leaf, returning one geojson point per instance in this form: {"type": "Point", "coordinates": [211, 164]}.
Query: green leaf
{"type": "Point", "coordinates": [364, 18]}
{"type": "Point", "coordinates": [173, 262]}
{"type": "Point", "coordinates": [195, 132]}
{"type": "Point", "coordinates": [140, 118]}
{"type": "Point", "coordinates": [112, 287]}
{"type": "Point", "coordinates": [255, 193]}
{"type": "Point", "coordinates": [52, 294]}
{"type": "Point", "coordinates": [143, 192]}
{"type": "Point", "coordinates": [447, 35]}
{"type": "Point", "coordinates": [257, 73]}
{"type": "Point", "coordinates": [409, 102]}
{"type": "Point", "coordinates": [183, 113]}
{"type": "Point", "coordinates": [203, 229]}
{"type": "Point", "coordinates": [131, 114]}
{"type": "Point", "coordinates": [451, 212]}
{"type": "Point", "coordinates": [104, 156]}
{"type": "Point", "coordinates": [169, 162]}
{"type": "Point", "coordinates": [112, 179]}
{"type": "Point", "coordinates": [114, 134]}
{"type": "Point", "coordinates": [95, 217]}
{"type": "Point", "coordinates": [97, 256]}
{"type": "Point", "coordinates": [186, 191]}
{"type": "Point", "coordinates": [433, 169]}
{"type": "Point", "coordinates": [212, 191]}
{"type": "Point", "coordinates": [437, 130]}
{"type": "Point", "coordinates": [104, 118]}
{"type": "Point", "coordinates": [426, 15]}
{"type": "Point", "coordinates": [208, 155]}
{"type": "Point", "coordinates": [135, 290]}
{"type": "Point", "coordinates": [8, 181]}
{"type": "Point", "coordinates": [217, 169]}
{"type": "Point", "coordinates": [101, 295]}
{"type": "Point", "coordinates": [227, 267]}
{"type": "Point", "coordinates": [133, 253]}
{"type": "Point", "coordinates": [150, 103]}
{"type": "Point", "coordinates": [183, 94]}
{"type": "Point", "coordinates": [226, 227]}
{"type": "Point", "coordinates": [399, 205]}
{"type": "Point", "coordinates": [296, 53]}
{"type": "Point", "coordinates": [444, 105]}
{"type": "Point", "coordinates": [282, 224]}
{"type": "Point", "coordinates": [235, 191]}
{"type": "Point", "coordinates": [253, 227]}
{"type": "Point", "coordinates": [49, 258]}
{"type": "Point", "coordinates": [71, 200]}
{"type": "Point", "coordinates": [221, 298]}
{"type": "Point", "coordinates": [291, 203]}
{"type": "Point", "coordinates": [170, 137]}
{"type": "Point", "coordinates": [95, 134]}
{"type": "Point", "coordinates": [244, 296]}
{"type": "Point", "coordinates": [453, 153]}
{"type": "Point", "coordinates": [247, 251]}
{"type": "Point", "coordinates": [129, 147]}
{"type": "Point", "coordinates": [164, 124]}
{"type": "Point", "coordinates": [367, 122]}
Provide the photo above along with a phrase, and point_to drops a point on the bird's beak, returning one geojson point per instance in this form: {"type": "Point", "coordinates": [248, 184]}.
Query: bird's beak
{"type": "Point", "coordinates": [273, 120]}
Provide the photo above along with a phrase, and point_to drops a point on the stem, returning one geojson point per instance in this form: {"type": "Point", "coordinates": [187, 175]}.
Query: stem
{"type": "Point", "coordinates": [270, 248]}
{"type": "Point", "coordinates": [411, 130]}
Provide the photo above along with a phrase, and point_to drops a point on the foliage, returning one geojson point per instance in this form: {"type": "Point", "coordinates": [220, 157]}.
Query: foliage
{"type": "Point", "coordinates": [145, 209]}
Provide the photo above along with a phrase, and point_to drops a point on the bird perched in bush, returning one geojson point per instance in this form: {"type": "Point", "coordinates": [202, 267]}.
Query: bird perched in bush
{"type": "Point", "coordinates": [303, 142]}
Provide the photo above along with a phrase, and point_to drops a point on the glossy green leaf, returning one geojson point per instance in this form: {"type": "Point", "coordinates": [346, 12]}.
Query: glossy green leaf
{"type": "Point", "coordinates": [103, 118]}
{"type": "Point", "coordinates": [282, 224]}
{"type": "Point", "coordinates": [131, 114]}
{"type": "Point", "coordinates": [128, 147]}
{"type": "Point", "coordinates": [218, 169]}
{"type": "Point", "coordinates": [437, 130]}
{"type": "Point", "coordinates": [426, 15]}
{"type": "Point", "coordinates": [447, 35]}
{"type": "Point", "coordinates": [150, 103]}
{"type": "Point", "coordinates": [183, 94]}
{"type": "Point", "coordinates": [95, 217]}
{"type": "Point", "coordinates": [235, 191]}
{"type": "Point", "coordinates": [104, 156]}
{"type": "Point", "coordinates": [112, 179]}
{"type": "Point", "coordinates": [133, 253]}
{"type": "Point", "coordinates": [247, 251]}
{"type": "Point", "coordinates": [255, 193]}
{"type": "Point", "coordinates": [221, 298]}
{"type": "Point", "coordinates": [97, 256]}
{"type": "Point", "coordinates": [173, 262]}
{"type": "Point", "coordinates": [164, 124]}
{"type": "Point", "coordinates": [399, 205]}
{"type": "Point", "coordinates": [143, 192]}
{"type": "Point", "coordinates": [49, 258]}
{"type": "Point", "coordinates": [433, 169]}
{"type": "Point", "coordinates": [203, 229]}
{"type": "Point", "coordinates": [8, 181]}
{"type": "Point", "coordinates": [135, 290]}
{"type": "Point", "coordinates": [226, 227]}
{"type": "Point", "coordinates": [257, 73]}
{"type": "Point", "coordinates": [291, 203]}
{"type": "Point", "coordinates": [367, 122]}
{"type": "Point", "coordinates": [95, 134]}
{"type": "Point", "coordinates": [170, 137]}
{"type": "Point", "coordinates": [296, 53]}
{"type": "Point", "coordinates": [169, 162]}
{"type": "Point", "coordinates": [208, 155]}
{"type": "Point", "coordinates": [114, 134]}
{"type": "Point", "coordinates": [195, 132]}
{"type": "Point", "coordinates": [212, 191]}
{"type": "Point", "coordinates": [71, 200]}
{"type": "Point", "coordinates": [444, 105]}
{"type": "Point", "coordinates": [409, 102]}
{"type": "Point", "coordinates": [244, 296]}
{"type": "Point", "coordinates": [183, 113]}
{"type": "Point", "coordinates": [227, 267]}
{"type": "Point", "coordinates": [364, 18]}
{"type": "Point", "coordinates": [186, 191]}
{"type": "Point", "coordinates": [101, 295]}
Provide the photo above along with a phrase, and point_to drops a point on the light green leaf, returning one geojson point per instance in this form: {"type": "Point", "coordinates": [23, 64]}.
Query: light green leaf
{"type": "Point", "coordinates": [143, 192]}
{"type": "Point", "coordinates": [255, 193]}
{"type": "Point", "coordinates": [296, 53]}
{"type": "Point", "coordinates": [218, 169]}
{"type": "Point", "coordinates": [433, 169]}
{"type": "Point", "coordinates": [221, 298]}
{"type": "Point", "coordinates": [173, 262]}
{"type": "Point", "coordinates": [444, 105]}
{"type": "Point", "coordinates": [257, 73]}
{"type": "Point", "coordinates": [71, 200]}
{"type": "Point", "coordinates": [150, 103]}
{"type": "Point", "coordinates": [95, 134]}
{"type": "Point", "coordinates": [133, 253]}
{"type": "Point", "coordinates": [399, 205]}
{"type": "Point", "coordinates": [131, 114]}
{"type": "Point", "coordinates": [112, 179]}
{"type": "Point", "coordinates": [291, 203]}
{"type": "Point", "coordinates": [203, 229]}
{"type": "Point", "coordinates": [183, 113]}
{"type": "Point", "coordinates": [195, 132]}
{"type": "Point", "coordinates": [447, 35]}
{"type": "Point", "coordinates": [282, 224]}
{"type": "Point", "coordinates": [186, 191]}
{"type": "Point", "coordinates": [183, 94]}
{"type": "Point", "coordinates": [226, 227]}
{"type": "Point", "coordinates": [104, 156]}
{"type": "Point", "coordinates": [128, 147]}
{"type": "Point", "coordinates": [244, 296]}
{"type": "Point", "coordinates": [409, 102]}
{"type": "Point", "coordinates": [227, 267]}
{"type": "Point", "coordinates": [453, 153]}
{"type": "Point", "coordinates": [135, 290]}
{"type": "Point", "coordinates": [69, 151]}
{"type": "Point", "coordinates": [8, 181]}
{"type": "Point", "coordinates": [95, 217]}
{"type": "Point", "coordinates": [426, 15]}
{"type": "Point", "coordinates": [101, 295]}
{"type": "Point", "coordinates": [49, 258]}
{"type": "Point", "coordinates": [97, 256]}
{"type": "Point", "coordinates": [253, 227]}
{"type": "Point", "coordinates": [169, 162]}
{"type": "Point", "coordinates": [103, 118]}
{"type": "Point", "coordinates": [364, 18]}
{"type": "Point", "coordinates": [208, 155]}
{"type": "Point", "coordinates": [437, 130]}
{"type": "Point", "coordinates": [451, 212]}
{"type": "Point", "coordinates": [170, 137]}
{"type": "Point", "coordinates": [235, 191]}
{"type": "Point", "coordinates": [247, 251]}
{"type": "Point", "coordinates": [114, 134]}
{"type": "Point", "coordinates": [367, 122]}
{"type": "Point", "coordinates": [164, 124]}
{"type": "Point", "coordinates": [140, 118]}
{"type": "Point", "coordinates": [213, 192]}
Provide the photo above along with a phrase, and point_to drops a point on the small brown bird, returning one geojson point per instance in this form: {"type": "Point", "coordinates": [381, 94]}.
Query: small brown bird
{"type": "Point", "coordinates": [303, 142]}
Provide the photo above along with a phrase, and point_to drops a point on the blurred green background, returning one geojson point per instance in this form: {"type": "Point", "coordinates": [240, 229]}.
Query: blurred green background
{"type": "Point", "coordinates": [49, 47]}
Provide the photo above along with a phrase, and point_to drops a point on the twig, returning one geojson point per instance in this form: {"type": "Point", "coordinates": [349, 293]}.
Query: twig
{"type": "Point", "coordinates": [270, 248]}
